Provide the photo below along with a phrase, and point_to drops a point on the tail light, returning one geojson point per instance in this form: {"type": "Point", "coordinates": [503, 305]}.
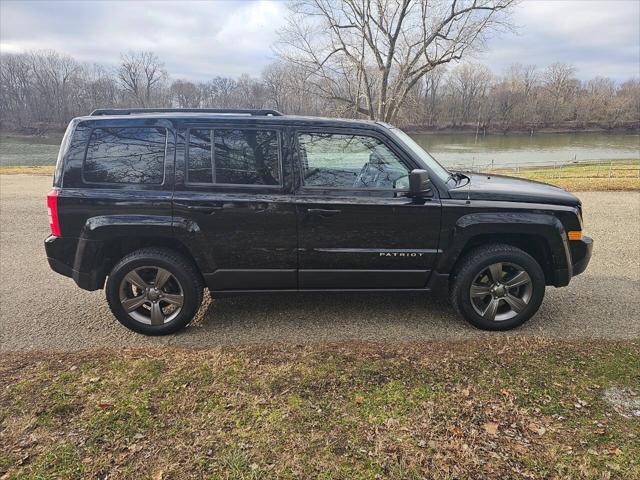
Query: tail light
{"type": "Point", "coordinates": [52, 212]}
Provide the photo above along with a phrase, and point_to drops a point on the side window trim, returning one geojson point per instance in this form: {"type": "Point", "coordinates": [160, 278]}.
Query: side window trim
{"type": "Point", "coordinates": [212, 129]}
{"type": "Point", "coordinates": [124, 184]}
{"type": "Point", "coordinates": [301, 187]}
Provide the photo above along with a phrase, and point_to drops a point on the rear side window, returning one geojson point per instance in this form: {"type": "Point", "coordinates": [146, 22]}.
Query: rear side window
{"type": "Point", "coordinates": [233, 157]}
{"type": "Point", "coordinates": [126, 155]}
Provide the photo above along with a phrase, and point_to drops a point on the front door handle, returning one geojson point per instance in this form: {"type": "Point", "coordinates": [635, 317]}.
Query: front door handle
{"type": "Point", "coordinates": [323, 212]}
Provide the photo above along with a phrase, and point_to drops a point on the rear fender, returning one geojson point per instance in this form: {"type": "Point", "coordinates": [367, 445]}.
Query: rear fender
{"type": "Point", "coordinates": [89, 263]}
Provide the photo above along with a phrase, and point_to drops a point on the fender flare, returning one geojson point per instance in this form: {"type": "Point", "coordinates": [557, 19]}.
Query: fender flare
{"type": "Point", "coordinates": [537, 225]}
{"type": "Point", "coordinates": [89, 266]}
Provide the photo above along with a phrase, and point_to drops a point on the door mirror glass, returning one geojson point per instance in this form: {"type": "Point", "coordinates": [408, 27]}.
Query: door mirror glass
{"type": "Point", "coordinates": [419, 183]}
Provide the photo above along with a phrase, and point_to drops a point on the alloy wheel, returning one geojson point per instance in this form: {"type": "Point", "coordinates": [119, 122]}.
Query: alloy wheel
{"type": "Point", "coordinates": [501, 291]}
{"type": "Point", "coordinates": [151, 295]}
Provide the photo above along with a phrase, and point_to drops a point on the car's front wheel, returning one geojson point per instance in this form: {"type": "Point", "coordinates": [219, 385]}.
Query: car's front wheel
{"type": "Point", "coordinates": [498, 287]}
{"type": "Point", "coordinates": [154, 291]}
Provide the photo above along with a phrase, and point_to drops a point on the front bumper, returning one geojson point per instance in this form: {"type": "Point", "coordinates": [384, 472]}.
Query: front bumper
{"type": "Point", "coordinates": [581, 254]}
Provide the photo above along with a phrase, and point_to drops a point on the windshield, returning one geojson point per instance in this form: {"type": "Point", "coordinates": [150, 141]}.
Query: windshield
{"type": "Point", "coordinates": [431, 162]}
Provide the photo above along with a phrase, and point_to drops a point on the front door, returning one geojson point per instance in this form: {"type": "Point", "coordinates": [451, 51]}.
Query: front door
{"type": "Point", "coordinates": [357, 229]}
{"type": "Point", "coordinates": [233, 191]}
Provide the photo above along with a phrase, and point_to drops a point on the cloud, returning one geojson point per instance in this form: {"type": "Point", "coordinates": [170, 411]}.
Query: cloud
{"type": "Point", "coordinates": [199, 40]}
{"type": "Point", "coordinates": [196, 40]}
{"type": "Point", "coordinates": [598, 37]}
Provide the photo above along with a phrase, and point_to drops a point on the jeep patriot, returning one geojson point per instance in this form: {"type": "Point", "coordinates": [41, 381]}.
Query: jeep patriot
{"type": "Point", "coordinates": [154, 205]}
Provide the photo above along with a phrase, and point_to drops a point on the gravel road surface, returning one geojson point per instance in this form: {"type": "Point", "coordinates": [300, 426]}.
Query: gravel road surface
{"type": "Point", "coordinates": [40, 310]}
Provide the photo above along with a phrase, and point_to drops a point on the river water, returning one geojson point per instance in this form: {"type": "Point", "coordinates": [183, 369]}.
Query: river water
{"type": "Point", "coordinates": [462, 150]}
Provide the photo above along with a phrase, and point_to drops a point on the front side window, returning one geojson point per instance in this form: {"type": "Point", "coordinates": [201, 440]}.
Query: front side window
{"type": "Point", "coordinates": [331, 160]}
{"type": "Point", "coordinates": [233, 157]}
{"type": "Point", "coordinates": [126, 155]}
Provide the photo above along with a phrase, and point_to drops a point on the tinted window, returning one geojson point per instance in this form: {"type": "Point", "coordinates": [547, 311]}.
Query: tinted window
{"type": "Point", "coordinates": [126, 155]}
{"type": "Point", "coordinates": [349, 161]}
{"type": "Point", "coordinates": [238, 157]}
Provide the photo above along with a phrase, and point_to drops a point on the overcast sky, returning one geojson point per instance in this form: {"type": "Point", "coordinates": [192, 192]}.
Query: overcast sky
{"type": "Point", "coordinates": [200, 40]}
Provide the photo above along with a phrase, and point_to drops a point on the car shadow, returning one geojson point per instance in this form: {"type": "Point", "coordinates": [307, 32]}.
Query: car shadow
{"type": "Point", "coordinates": [304, 317]}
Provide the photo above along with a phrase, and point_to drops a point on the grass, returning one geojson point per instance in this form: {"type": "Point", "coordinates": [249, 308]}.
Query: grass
{"type": "Point", "coordinates": [493, 409]}
{"type": "Point", "coordinates": [27, 170]}
{"type": "Point", "coordinates": [593, 176]}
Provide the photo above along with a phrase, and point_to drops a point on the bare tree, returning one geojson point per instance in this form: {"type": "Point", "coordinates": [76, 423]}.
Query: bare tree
{"type": "Point", "coordinates": [15, 92]}
{"type": "Point", "coordinates": [559, 88]}
{"type": "Point", "coordinates": [369, 54]}
{"type": "Point", "coordinates": [140, 75]}
{"type": "Point", "coordinates": [41, 90]}
{"type": "Point", "coordinates": [186, 94]}
{"type": "Point", "coordinates": [467, 89]}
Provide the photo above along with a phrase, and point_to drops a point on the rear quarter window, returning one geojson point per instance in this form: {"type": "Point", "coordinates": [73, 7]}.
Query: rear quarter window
{"type": "Point", "coordinates": [129, 155]}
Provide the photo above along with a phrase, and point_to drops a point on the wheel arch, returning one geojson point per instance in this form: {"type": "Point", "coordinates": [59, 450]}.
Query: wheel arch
{"type": "Point", "coordinates": [105, 240]}
{"type": "Point", "coordinates": [534, 245]}
{"type": "Point", "coordinates": [540, 235]}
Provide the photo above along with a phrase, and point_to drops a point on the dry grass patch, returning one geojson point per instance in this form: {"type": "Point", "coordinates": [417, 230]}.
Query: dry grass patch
{"type": "Point", "coordinates": [27, 170]}
{"type": "Point", "coordinates": [592, 176]}
{"type": "Point", "coordinates": [528, 409]}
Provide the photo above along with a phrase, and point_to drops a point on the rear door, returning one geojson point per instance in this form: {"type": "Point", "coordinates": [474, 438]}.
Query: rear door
{"type": "Point", "coordinates": [233, 184]}
{"type": "Point", "coordinates": [357, 229]}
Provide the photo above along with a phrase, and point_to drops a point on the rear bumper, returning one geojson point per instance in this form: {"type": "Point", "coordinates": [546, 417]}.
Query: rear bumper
{"type": "Point", "coordinates": [61, 255]}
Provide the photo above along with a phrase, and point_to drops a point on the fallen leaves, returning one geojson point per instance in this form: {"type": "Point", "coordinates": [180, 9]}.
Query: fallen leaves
{"type": "Point", "coordinates": [491, 428]}
{"type": "Point", "coordinates": [534, 427]}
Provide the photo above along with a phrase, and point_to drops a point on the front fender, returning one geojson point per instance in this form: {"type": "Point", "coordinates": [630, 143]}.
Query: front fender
{"type": "Point", "coordinates": [539, 226]}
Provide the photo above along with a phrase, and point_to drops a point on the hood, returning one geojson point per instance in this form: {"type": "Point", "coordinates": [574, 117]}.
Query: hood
{"type": "Point", "coordinates": [510, 189]}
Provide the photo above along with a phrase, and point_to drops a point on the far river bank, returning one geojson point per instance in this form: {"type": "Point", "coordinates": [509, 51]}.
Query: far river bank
{"type": "Point", "coordinates": [454, 149]}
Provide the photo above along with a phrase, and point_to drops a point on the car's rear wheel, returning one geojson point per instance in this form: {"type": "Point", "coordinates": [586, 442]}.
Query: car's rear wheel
{"type": "Point", "coordinates": [498, 287]}
{"type": "Point", "coordinates": [154, 291]}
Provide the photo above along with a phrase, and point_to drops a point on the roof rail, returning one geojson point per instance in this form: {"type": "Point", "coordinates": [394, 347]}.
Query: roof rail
{"type": "Point", "coordinates": [238, 111]}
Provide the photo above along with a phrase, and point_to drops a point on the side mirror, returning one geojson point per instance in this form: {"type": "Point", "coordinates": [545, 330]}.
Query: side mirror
{"type": "Point", "coordinates": [419, 183]}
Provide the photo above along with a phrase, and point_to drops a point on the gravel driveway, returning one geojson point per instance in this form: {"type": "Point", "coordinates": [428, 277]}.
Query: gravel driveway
{"type": "Point", "coordinates": [45, 311]}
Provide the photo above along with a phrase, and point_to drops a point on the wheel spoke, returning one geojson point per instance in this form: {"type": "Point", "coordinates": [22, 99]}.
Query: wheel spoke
{"type": "Point", "coordinates": [496, 272]}
{"type": "Point", "coordinates": [478, 291]}
{"type": "Point", "coordinates": [131, 304]}
{"type": "Point", "coordinates": [161, 278]}
{"type": "Point", "coordinates": [491, 310]}
{"type": "Point", "coordinates": [520, 278]}
{"type": "Point", "coordinates": [135, 279]}
{"type": "Point", "coordinates": [157, 317]}
{"type": "Point", "coordinates": [173, 299]}
{"type": "Point", "coordinates": [515, 303]}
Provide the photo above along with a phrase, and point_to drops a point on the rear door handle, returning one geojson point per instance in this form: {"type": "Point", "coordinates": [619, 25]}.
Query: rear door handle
{"type": "Point", "coordinates": [323, 212]}
{"type": "Point", "coordinates": [200, 208]}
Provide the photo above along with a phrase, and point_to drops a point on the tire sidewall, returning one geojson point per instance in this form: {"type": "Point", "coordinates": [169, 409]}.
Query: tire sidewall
{"type": "Point", "coordinates": [189, 287]}
{"type": "Point", "coordinates": [521, 259]}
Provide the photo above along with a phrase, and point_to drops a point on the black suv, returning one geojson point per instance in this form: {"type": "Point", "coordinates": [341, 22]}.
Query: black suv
{"type": "Point", "coordinates": [161, 203]}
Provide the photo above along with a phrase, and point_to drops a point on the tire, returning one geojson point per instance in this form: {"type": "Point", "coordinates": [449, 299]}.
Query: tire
{"type": "Point", "coordinates": [140, 306]}
{"type": "Point", "coordinates": [495, 305]}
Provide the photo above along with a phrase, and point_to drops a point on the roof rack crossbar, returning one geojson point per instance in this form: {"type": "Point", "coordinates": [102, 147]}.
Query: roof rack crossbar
{"type": "Point", "coordinates": [238, 111]}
